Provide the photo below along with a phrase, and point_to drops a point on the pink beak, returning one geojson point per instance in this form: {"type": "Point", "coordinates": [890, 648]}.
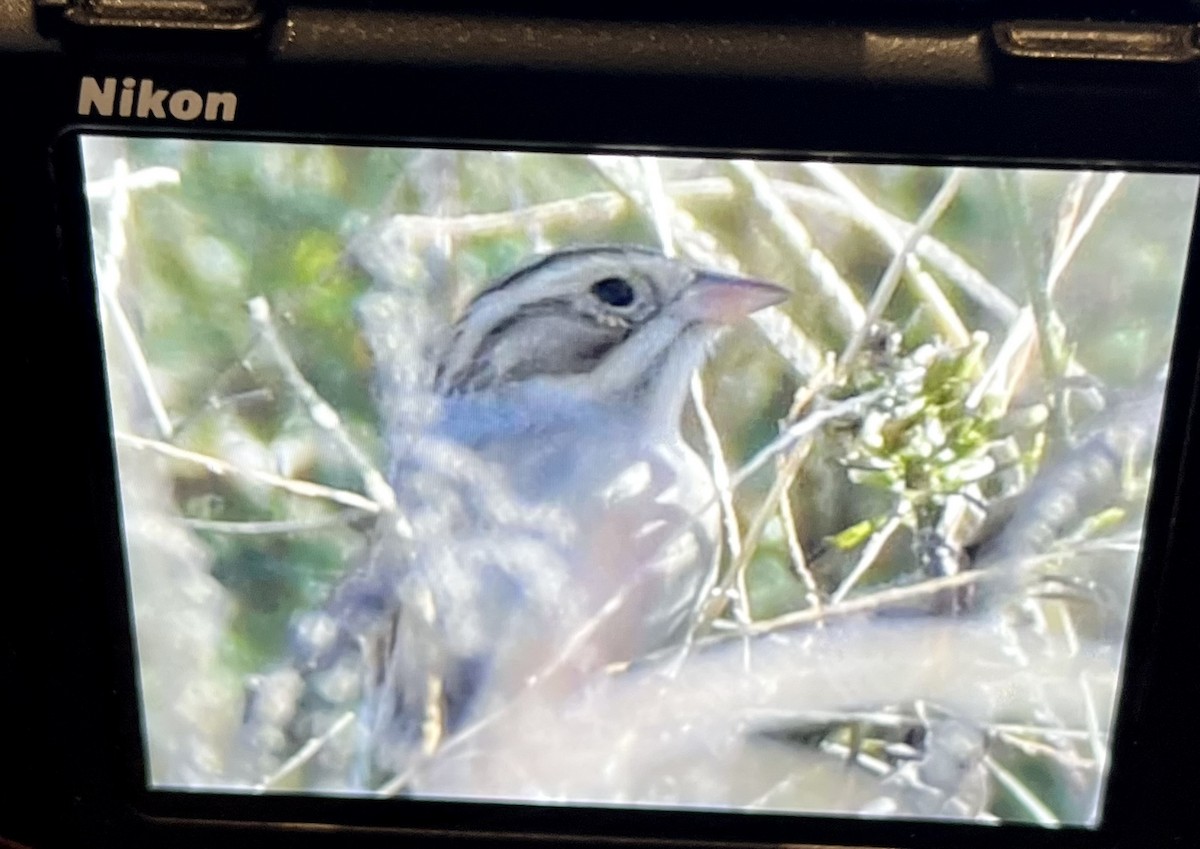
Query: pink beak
{"type": "Point", "coordinates": [721, 299]}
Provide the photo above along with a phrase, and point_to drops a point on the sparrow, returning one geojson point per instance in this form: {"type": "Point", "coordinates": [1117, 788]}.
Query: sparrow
{"type": "Point", "coordinates": [551, 519]}
{"type": "Point", "coordinates": [571, 375]}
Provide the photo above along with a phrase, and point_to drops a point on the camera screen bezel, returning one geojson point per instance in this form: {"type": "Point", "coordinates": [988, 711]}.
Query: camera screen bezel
{"type": "Point", "coordinates": [115, 680]}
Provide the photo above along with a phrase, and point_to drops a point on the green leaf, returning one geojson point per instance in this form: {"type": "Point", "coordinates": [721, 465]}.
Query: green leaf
{"type": "Point", "coordinates": [853, 536]}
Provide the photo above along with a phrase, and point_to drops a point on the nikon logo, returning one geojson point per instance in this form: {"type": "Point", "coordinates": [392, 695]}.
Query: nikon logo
{"type": "Point", "coordinates": [141, 99]}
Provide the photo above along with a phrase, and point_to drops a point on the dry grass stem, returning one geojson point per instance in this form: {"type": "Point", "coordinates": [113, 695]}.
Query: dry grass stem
{"type": "Point", "coordinates": [886, 288]}
{"type": "Point", "coordinates": [1036, 808]}
{"type": "Point", "coordinates": [306, 752]}
{"type": "Point", "coordinates": [870, 553]}
{"type": "Point", "coordinates": [924, 286]}
{"type": "Point", "coordinates": [1002, 377]}
{"type": "Point", "coordinates": [265, 528]}
{"type": "Point", "coordinates": [320, 411]}
{"type": "Point", "coordinates": [109, 273]}
{"type": "Point", "coordinates": [796, 557]}
{"type": "Point", "coordinates": [1097, 740]}
{"type": "Point", "coordinates": [817, 201]}
{"type": "Point", "coordinates": [662, 208]}
{"type": "Point", "coordinates": [803, 429]}
{"type": "Point", "coordinates": [216, 466]}
{"type": "Point", "coordinates": [720, 473]}
{"type": "Point", "coordinates": [597, 207]}
{"type": "Point", "coordinates": [844, 306]}
{"type": "Point", "coordinates": [873, 601]}
{"type": "Point", "coordinates": [1063, 256]}
{"type": "Point", "coordinates": [143, 178]}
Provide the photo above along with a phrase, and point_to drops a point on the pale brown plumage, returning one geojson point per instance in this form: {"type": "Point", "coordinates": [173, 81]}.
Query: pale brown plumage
{"type": "Point", "coordinates": [554, 520]}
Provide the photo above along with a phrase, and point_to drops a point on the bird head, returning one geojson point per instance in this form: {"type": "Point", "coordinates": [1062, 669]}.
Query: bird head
{"type": "Point", "coordinates": [620, 323]}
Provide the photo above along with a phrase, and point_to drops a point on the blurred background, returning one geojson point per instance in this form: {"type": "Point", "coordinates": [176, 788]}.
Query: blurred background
{"type": "Point", "coordinates": [955, 341]}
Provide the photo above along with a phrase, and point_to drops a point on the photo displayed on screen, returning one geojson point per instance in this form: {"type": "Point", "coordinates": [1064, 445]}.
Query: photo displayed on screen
{"type": "Point", "coordinates": [632, 481]}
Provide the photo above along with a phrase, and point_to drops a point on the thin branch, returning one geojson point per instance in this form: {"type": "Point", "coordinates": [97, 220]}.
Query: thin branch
{"type": "Point", "coordinates": [802, 429]}
{"type": "Point", "coordinates": [846, 309]}
{"type": "Point", "coordinates": [873, 601]}
{"type": "Point", "coordinates": [720, 474]}
{"type": "Point", "coordinates": [662, 207]}
{"type": "Point", "coordinates": [1073, 229]}
{"type": "Point", "coordinates": [925, 287]}
{"type": "Point", "coordinates": [137, 359]}
{"type": "Point", "coordinates": [306, 752]}
{"type": "Point", "coordinates": [1065, 756]}
{"type": "Point", "coordinates": [109, 282]}
{"type": "Point", "coordinates": [661, 210]}
{"type": "Point", "coordinates": [886, 289]}
{"type": "Point", "coordinates": [796, 558]}
{"type": "Point", "coordinates": [1049, 327]}
{"type": "Point", "coordinates": [794, 440]}
{"type": "Point", "coordinates": [263, 528]}
{"type": "Point", "coordinates": [677, 230]}
{"type": "Point", "coordinates": [1001, 378]}
{"type": "Point", "coordinates": [603, 207]}
{"type": "Point", "coordinates": [1097, 740]}
{"type": "Point", "coordinates": [870, 553]}
{"type": "Point", "coordinates": [1038, 809]}
{"type": "Point", "coordinates": [1020, 730]}
{"type": "Point", "coordinates": [998, 570]}
{"type": "Point", "coordinates": [797, 350]}
{"type": "Point", "coordinates": [1069, 206]}
{"type": "Point", "coordinates": [1070, 632]}
{"type": "Point", "coordinates": [535, 231]}
{"type": "Point", "coordinates": [222, 467]}
{"type": "Point", "coordinates": [143, 178]}
{"type": "Point", "coordinates": [1062, 257]}
{"type": "Point", "coordinates": [734, 581]}
{"type": "Point", "coordinates": [593, 208]}
{"type": "Point", "coordinates": [973, 283]}
{"type": "Point", "coordinates": [1036, 322]}
{"type": "Point", "coordinates": [320, 411]}
{"type": "Point", "coordinates": [765, 717]}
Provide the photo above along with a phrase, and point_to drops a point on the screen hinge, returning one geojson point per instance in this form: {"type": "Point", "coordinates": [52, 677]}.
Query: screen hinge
{"type": "Point", "coordinates": [190, 16]}
{"type": "Point", "coordinates": [1155, 43]}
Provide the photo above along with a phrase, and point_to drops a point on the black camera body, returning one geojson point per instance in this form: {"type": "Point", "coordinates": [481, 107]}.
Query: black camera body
{"type": "Point", "coordinates": [217, 208]}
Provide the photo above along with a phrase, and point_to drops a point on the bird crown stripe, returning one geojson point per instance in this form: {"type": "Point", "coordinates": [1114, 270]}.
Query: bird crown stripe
{"type": "Point", "coordinates": [583, 251]}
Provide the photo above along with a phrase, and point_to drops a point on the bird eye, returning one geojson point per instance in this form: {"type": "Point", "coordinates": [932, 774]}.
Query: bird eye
{"type": "Point", "coordinates": [613, 291]}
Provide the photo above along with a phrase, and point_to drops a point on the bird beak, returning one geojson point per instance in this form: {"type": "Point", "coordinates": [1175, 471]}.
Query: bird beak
{"type": "Point", "coordinates": [721, 299]}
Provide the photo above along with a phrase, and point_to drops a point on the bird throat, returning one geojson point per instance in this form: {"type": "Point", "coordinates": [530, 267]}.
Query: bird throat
{"type": "Point", "coordinates": [661, 386]}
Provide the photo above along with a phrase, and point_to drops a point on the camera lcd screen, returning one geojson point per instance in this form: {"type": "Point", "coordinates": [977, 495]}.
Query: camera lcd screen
{"type": "Point", "coordinates": [634, 481]}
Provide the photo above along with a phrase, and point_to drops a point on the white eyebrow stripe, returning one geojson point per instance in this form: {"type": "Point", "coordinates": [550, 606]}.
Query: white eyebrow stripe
{"type": "Point", "coordinates": [559, 276]}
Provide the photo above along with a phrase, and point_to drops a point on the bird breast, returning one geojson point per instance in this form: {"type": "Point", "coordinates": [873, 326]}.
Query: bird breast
{"type": "Point", "coordinates": [635, 507]}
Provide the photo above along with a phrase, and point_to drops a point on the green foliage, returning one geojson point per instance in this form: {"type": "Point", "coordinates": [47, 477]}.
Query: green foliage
{"type": "Point", "coordinates": [921, 437]}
